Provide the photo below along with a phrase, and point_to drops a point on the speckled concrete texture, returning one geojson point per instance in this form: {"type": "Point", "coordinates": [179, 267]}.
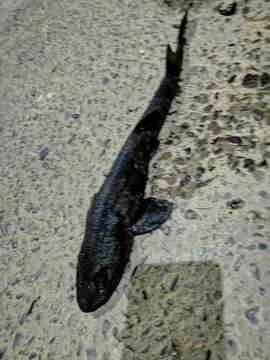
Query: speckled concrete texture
{"type": "Point", "coordinates": [75, 78]}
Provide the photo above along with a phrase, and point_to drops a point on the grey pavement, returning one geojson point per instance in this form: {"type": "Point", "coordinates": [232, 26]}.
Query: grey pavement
{"type": "Point", "coordinates": [75, 76]}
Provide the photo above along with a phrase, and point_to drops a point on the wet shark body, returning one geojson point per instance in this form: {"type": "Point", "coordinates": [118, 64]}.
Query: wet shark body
{"type": "Point", "coordinates": [119, 211]}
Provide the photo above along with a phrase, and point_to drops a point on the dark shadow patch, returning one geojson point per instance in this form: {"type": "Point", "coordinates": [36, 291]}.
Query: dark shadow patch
{"type": "Point", "coordinates": [175, 311]}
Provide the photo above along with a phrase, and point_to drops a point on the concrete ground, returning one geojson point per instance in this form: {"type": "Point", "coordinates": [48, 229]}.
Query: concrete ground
{"type": "Point", "coordinates": [75, 78]}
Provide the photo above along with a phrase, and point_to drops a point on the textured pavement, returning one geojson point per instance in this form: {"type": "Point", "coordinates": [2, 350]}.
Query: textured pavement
{"type": "Point", "coordinates": [75, 76]}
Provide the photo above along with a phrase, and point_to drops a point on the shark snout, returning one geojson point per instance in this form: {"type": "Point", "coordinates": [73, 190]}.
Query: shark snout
{"type": "Point", "coordinates": [90, 296]}
{"type": "Point", "coordinates": [87, 298]}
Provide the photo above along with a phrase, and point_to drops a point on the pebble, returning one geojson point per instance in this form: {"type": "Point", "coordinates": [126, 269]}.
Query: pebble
{"type": "Point", "coordinates": [35, 210]}
{"type": "Point", "coordinates": [231, 79]}
{"type": "Point", "coordinates": [203, 252]}
{"type": "Point", "coordinates": [250, 81]}
{"type": "Point", "coordinates": [170, 301]}
{"type": "Point", "coordinates": [105, 327]}
{"type": "Point", "coordinates": [208, 354]}
{"type": "Point", "coordinates": [2, 352]}
{"type": "Point", "coordinates": [44, 153]}
{"type": "Point", "coordinates": [17, 340]}
{"type": "Point", "coordinates": [191, 214]}
{"type": "Point", "coordinates": [51, 341]}
{"type": "Point", "coordinates": [208, 108]}
{"type": "Point", "coordinates": [158, 322]}
{"type": "Point", "coordinates": [19, 296]}
{"type": "Point", "coordinates": [71, 264]}
{"type": "Point", "coordinates": [245, 10]}
{"type": "Point", "coordinates": [234, 140]}
{"type": "Point", "coordinates": [91, 353]}
{"type": "Point", "coordinates": [105, 81]}
{"type": "Point", "coordinates": [232, 346]}
{"type": "Point", "coordinates": [257, 234]}
{"type": "Point", "coordinates": [164, 350]}
{"type": "Point", "coordinates": [200, 172]}
{"type": "Point", "coordinates": [144, 294]}
{"type": "Point", "coordinates": [146, 331]}
{"type": "Point", "coordinates": [262, 291]}
{"type": "Point", "coordinates": [173, 283]}
{"type": "Point", "coordinates": [236, 203]}
{"type": "Point", "coordinates": [144, 349]}
{"type": "Point", "coordinates": [160, 338]}
{"type": "Point", "coordinates": [115, 332]}
{"type": "Point", "coordinates": [75, 116]}
{"type": "Point", "coordinates": [23, 318]}
{"type": "Point", "coordinates": [258, 114]}
{"type": "Point", "coordinates": [33, 355]}
{"type": "Point", "coordinates": [229, 10]}
{"type": "Point", "coordinates": [263, 246]}
{"type": "Point", "coordinates": [186, 180]}
{"type": "Point", "coordinates": [249, 164]}
{"type": "Point", "coordinates": [201, 99]}
{"type": "Point", "coordinates": [251, 314]}
{"type": "Point", "coordinates": [166, 230]}
{"type": "Point", "coordinates": [185, 126]}
{"type": "Point", "coordinates": [214, 127]}
{"type": "Point", "coordinates": [265, 79]}
{"type": "Point", "coordinates": [263, 163]}
{"type": "Point", "coordinates": [231, 240]}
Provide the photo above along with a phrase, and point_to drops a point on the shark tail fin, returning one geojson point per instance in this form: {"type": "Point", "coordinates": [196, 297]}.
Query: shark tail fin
{"type": "Point", "coordinates": [172, 66]}
{"type": "Point", "coordinates": [174, 59]}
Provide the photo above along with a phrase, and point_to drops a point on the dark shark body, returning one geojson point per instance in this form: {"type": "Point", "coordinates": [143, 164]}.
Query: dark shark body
{"type": "Point", "coordinates": [119, 210]}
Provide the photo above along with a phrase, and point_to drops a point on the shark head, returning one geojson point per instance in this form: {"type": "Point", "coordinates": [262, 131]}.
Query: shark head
{"type": "Point", "coordinates": [101, 264]}
{"type": "Point", "coordinates": [95, 288]}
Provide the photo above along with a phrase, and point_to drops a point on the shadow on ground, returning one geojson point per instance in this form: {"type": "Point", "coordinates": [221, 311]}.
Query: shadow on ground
{"type": "Point", "coordinates": [175, 311]}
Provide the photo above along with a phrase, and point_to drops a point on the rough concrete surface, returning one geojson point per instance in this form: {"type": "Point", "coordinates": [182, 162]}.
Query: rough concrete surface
{"type": "Point", "coordinates": [75, 78]}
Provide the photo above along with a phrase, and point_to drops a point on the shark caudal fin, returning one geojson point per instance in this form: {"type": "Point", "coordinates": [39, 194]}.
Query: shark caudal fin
{"type": "Point", "coordinates": [172, 66]}
{"type": "Point", "coordinates": [174, 59]}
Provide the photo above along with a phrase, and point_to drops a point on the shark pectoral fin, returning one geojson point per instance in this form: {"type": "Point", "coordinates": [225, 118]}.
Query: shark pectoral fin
{"type": "Point", "coordinates": [153, 212]}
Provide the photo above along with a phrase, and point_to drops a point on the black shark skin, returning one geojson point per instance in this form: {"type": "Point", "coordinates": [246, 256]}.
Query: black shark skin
{"type": "Point", "coordinates": [119, 210]}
